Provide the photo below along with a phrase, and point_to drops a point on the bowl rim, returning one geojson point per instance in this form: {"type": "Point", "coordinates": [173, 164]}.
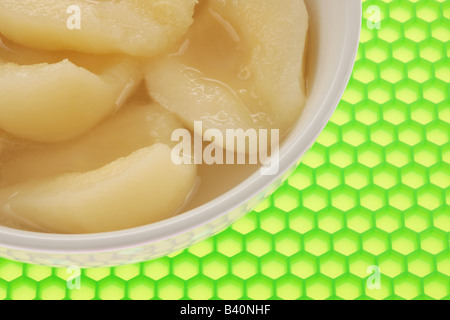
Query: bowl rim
{"type": "Point", "coordinates": [255, 184]}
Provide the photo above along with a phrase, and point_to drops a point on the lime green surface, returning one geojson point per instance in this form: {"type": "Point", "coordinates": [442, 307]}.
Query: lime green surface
{"type": "Point", "coordinates": [373, 191]}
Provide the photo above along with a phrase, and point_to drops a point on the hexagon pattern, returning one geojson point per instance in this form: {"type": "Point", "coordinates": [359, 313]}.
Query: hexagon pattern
{"type": "Point", "coordinates": [372, 194]}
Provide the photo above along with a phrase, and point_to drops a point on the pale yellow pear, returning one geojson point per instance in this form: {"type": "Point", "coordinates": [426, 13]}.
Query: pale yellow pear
{"type": "Point", "coordinates": [188, 94]}
{"type": "Point", "coordinates": [135, 27]}
{"type": "Point", "coordinates": [49, 102]}
{"type": "Point", "coordinates": [134, 127]}
{"type": "Point", "coordinates": [274, 34]}
{"type": "Point", "coordinates": [142, 188]}
{"type": "Point", "coordinates": [240, 66]}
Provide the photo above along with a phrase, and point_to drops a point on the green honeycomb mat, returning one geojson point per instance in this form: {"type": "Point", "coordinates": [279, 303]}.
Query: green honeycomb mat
{"type": "Point", "coordinates": [373, 191]}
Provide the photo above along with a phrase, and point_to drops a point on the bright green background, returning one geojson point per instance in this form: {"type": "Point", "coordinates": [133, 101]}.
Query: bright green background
{"type": "Point", "coordinates": [373, 190]}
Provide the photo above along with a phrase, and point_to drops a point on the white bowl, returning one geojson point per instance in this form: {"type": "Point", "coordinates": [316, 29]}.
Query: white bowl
{"type": "Point", "coordinates": [334, 37]}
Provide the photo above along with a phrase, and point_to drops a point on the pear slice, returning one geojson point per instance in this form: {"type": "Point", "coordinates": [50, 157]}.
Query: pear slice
{"type": "Point", "coordinates": [243, 59]}
{"type": "Point", "coordinates": [274, 33]}
{"type": "Point", "coordinates": [185, 92]}
{"type": "Point", "coordinates": [134, 127]}
{"type": "Point", "coordinates": [140, 189]}
{"type": "Point", "coordinates": [134, 27]}
{"type": "Point", "coordinates": [59, 101]}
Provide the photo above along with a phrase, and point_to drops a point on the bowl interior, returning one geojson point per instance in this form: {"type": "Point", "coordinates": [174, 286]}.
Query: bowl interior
{"type": "Point", "coordinates": [333, 42]}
